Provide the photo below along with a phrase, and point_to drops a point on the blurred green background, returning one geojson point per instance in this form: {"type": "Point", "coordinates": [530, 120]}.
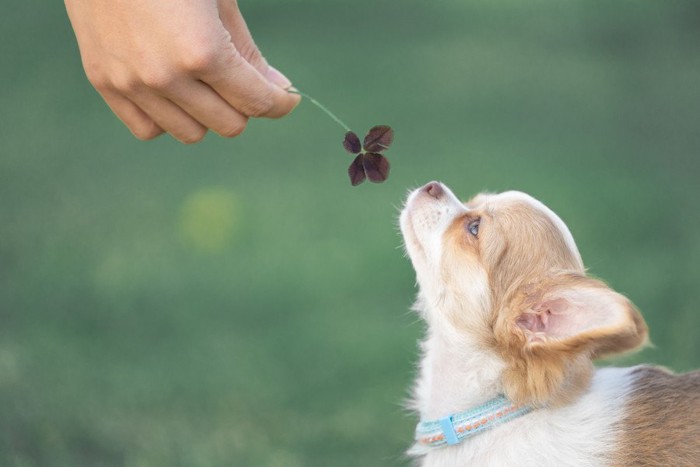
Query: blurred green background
{"type": "Point", "coordinates": [238, 303]}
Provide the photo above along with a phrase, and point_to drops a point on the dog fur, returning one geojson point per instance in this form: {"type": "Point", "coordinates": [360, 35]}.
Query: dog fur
{"type": "Point", "coordinates": [510, 310]}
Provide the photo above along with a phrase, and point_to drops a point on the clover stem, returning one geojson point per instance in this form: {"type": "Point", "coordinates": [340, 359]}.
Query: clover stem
{"type": "Point", "coordinates": [320, 106]}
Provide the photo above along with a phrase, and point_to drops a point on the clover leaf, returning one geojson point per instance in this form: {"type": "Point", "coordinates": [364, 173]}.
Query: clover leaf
{"type": "Point", "coordinates": [369, 163]}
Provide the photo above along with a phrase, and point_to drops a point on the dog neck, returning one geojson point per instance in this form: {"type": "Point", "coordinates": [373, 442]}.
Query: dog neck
{"type": "Point", "coordinates": [457, 370]}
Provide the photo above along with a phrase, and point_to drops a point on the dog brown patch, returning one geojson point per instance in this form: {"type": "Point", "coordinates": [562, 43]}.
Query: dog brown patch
{"type": "Point", "coordinates": [662, 426]}
{"type": "Point", "coordinates": [527, 259]}
{"type": "Point", "coordinates": [548, 319]}
{"type": "Point", "coordinates": [554, 369]}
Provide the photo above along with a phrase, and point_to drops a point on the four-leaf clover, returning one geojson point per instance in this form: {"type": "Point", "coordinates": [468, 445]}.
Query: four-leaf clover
{"type": "Point", "coordinates": [369, 163]}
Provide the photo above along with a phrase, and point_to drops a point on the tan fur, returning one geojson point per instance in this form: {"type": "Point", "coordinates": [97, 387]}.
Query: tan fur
{"type": "Point", "coordinates": [514, 301]}
{"type": "Point", "coordinates": [526, 258]}
{"type": "Point", "coordinates": [662, 425]}
{"type": "Point", "coordinates": [558, 371]}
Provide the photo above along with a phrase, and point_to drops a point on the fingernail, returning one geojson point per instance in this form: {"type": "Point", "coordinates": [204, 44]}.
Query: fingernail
{"type": "Point", "coordinates": [276, 77]}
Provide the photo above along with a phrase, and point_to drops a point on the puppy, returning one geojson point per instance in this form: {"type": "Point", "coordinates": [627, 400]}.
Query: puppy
{"type": "Point", "coordinates": [513, 323]}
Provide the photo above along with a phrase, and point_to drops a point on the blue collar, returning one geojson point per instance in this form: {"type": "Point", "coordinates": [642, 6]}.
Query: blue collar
{"type": "Point", "coordinates": [454, 429]}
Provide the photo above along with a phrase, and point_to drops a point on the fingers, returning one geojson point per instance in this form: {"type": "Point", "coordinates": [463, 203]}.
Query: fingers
{"type": "Point", "coordinates": [141, 103]}
{"type": "Point", "coordinates": [235, 24]}
{"type": "Point", "coordinates": [245, 89]}
{"type": "Point", "coordinates": [148, 114]}
{"type": "Point", "coordinates": [208, 108]}
{"type": "Point", "coordinates": [249, 83]}
{"type": "Point", "coordinates": [138, 122]}
{"type": "Point", "coordinates": [178, 103]}
{"type": "Point", "coordinates": [179, 66]}
{"type": "Point", "coordinates": [233, 21]}
{"type": "Point", "coordinates": [171, 118]}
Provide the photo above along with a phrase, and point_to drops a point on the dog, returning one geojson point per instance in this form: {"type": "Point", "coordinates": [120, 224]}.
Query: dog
{"type": "Point", "coordinates": [513, 324]}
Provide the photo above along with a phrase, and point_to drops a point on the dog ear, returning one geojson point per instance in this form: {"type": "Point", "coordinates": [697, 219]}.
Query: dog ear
{"type": "Point", "coordinates": [574, 313]}
{"type": "Point", "coordinates": [553, 329]}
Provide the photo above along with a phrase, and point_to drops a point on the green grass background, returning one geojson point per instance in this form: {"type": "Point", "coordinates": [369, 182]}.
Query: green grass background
{"type": "Point", "coordinates": [238, 303]}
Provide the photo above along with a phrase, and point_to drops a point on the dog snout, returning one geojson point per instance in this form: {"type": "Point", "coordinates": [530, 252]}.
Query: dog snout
{"type": "Point", "coordinates": [434, 189]}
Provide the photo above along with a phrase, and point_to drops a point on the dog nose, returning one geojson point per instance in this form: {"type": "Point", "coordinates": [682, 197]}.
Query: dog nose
{"type": "Point", "coordinates": [434, 189]}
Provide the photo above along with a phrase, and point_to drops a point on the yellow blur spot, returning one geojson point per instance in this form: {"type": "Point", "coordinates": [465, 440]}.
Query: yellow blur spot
{"type": "Point", "coordinates": [208, 219]}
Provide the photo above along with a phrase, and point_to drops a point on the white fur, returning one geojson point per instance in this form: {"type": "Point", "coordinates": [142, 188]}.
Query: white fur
{"type": "Point", "coordinates": [581, 434]}
{"type": "Point", "coordinates": [423, 222]}
{"type": "Point", "coordinates": [457, 372]}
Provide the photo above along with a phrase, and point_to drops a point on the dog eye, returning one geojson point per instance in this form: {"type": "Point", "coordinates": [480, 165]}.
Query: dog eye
{"type": "Point", "coordinates": [473, 227]}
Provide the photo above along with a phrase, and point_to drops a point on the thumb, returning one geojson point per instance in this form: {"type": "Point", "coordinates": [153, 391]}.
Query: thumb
{"type": "Point", "coordinates": [235, 24]}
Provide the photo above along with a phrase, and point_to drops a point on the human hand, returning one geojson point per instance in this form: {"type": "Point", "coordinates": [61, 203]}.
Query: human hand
{"type": "Point", "coordinates": [177, 66]}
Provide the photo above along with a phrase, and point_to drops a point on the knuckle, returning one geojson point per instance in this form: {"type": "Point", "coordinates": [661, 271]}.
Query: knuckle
{"type": "Point", "coordinates": [127, 84]}
{"type": "Point", "coordinates": [260, 105]}
{"type": "Point", "coordinates": [250, 52]}
{"type": "Point", "coordinates": [157, 78]}
{"type": "Point", "coordinates": [94, 70]}
{"type": "Point", "coordinates": [233, 59]}
{"type": "Point", "coordinates": [99, 80]}
{"type": "Point", "coordinates": [201, 58]}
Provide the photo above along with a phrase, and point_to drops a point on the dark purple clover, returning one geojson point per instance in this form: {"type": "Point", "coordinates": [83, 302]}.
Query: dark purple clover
{"type": "Point", "coordinates": [378, 138]}
{"type": "Point", "coordinates": [351, 143]}
{"type": "Point", "coordinates": [376, 167]}
{"type": "Point", "coordinates": [357, 171]}
{"type": "Point", "coordinates": [369, 163]}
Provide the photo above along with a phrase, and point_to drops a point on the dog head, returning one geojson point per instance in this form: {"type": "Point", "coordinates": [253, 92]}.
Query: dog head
{"type": "Point", "coordinates": [502, 271]}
